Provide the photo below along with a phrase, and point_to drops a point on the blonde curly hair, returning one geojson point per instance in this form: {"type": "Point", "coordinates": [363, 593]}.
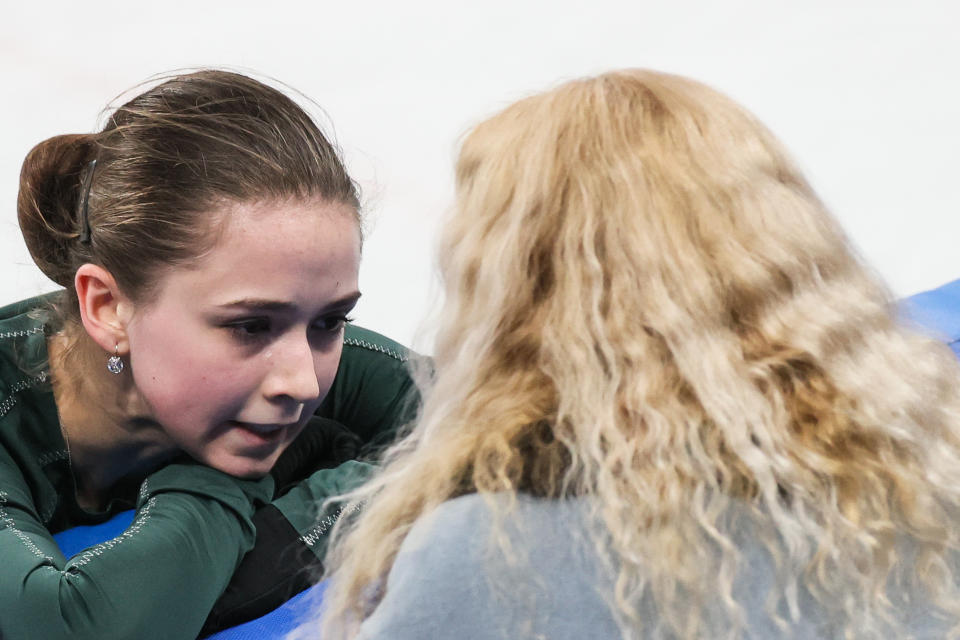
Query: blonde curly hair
{"type": "Point", "coordinates": [646, 303]}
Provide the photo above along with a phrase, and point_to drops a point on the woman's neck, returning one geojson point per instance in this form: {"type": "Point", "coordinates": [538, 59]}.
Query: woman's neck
{"type": "Point", "coordinates": [106, 425]}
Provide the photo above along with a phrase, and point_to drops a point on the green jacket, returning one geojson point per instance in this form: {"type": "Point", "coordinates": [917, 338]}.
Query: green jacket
{"type": "Point", "coordinates": [193, 524]}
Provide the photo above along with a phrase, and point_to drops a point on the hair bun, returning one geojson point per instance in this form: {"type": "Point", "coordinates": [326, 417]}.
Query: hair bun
{"type": "Point", "coordinates": [47, 202]}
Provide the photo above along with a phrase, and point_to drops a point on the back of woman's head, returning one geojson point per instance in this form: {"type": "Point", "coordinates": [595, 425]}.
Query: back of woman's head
{"type": "Point", "coordinates": [139, 195]}
{"type": "Point", "coordinates": [642, 246]}
{"type": "Point", "coordinates": [633, 207]}
{"type": "Point", "coordinates": [646, 303]}
{"type": "Point", "coordinates": [635, 261]}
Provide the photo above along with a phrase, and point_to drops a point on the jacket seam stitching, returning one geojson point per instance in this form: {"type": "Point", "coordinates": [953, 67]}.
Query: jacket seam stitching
{"type": "Point", "coordinates": [23, 333]}
{"type": "Point", "coordinates": [22, 385]}
{"type": "Point", "coordinates": [8, 402]}
{"type": "Point", "coordinates": [370, 346]}
{"type": "Point", "coordinates": [314, 535]}
{"type": "Point", "coordinates": [143, 515]}
{"type": "Point", "coordinates": [8, 523]}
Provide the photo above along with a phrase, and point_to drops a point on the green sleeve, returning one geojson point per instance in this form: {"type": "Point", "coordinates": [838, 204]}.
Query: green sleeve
{"type": "Point", "coordinates": [156, 580]}
{"type": "Point", "coordinates": [304, 507]}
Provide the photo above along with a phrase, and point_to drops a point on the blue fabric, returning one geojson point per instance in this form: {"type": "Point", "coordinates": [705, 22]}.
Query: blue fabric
{"type": "Point", "coordinates": [280, 621]}
{"type": "Point", "coordinates": [274, 625]}
{"type": "Point", "coordinates": [937, 311]}
{"type": "Point", "coordinates": [73, 541]}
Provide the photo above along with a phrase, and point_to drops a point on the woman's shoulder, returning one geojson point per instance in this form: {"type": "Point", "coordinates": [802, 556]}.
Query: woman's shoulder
{"type": "Point", "coordinates": [547, 555]}
{"type": "Point", "coordinates": [23, 325]}
{"type": "Point", "coordinates": [28, 309]}
{"type": "Point", "coordinates": [476, 510]}
{"type": "Point", "coordinates": [497, 531]}
{"type": "Point", "coordinates": [22, 347]}
{"type": "Point", "coordinates": [455, 574]}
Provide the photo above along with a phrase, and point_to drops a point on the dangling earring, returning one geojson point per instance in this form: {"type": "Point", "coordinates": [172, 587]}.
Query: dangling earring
{"type": "Point", "coordinates": [114, 363]}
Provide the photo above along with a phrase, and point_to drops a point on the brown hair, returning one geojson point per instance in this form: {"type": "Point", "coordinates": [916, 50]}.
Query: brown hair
{"type": "Point", "coordinates": [164, 160]}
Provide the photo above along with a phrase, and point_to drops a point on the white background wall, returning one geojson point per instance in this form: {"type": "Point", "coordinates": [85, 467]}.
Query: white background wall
{"type": "Point", "coordinates": [864, 93]}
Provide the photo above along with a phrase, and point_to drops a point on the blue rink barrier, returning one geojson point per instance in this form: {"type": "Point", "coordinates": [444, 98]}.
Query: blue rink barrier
{"type": "Point", "coordinates": [936, 311]}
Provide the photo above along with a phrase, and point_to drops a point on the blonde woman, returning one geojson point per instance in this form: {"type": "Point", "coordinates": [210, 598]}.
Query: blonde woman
{"type": "Point", "coordinates": [669, 400]}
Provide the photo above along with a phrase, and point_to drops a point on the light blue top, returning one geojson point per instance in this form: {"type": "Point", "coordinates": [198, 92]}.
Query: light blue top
{"type": "Point", "coordinates": [440, 587]}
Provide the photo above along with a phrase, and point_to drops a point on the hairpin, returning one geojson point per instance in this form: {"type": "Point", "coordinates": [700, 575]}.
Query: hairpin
{"type": "Point", "coordinates": [82, 205]}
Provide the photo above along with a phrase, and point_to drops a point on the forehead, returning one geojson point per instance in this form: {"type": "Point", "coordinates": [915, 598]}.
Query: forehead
{"type": "Point", "coordinates": [291, 251]}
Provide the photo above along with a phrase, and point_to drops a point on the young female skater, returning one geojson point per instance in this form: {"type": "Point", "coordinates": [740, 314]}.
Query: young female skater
{"type": "Point", "coordinates": [208, 243]}
{"type": "Point", "coordinates": [669, 400]}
